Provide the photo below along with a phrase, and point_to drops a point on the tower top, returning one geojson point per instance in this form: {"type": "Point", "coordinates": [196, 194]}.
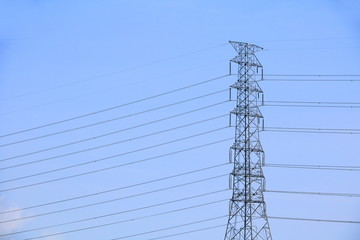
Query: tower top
{"type": "Point", "coordinates": [239, 46]}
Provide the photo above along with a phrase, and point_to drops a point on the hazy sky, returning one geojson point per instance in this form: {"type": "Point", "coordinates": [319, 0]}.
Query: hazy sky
{"type": "Point", "coordinates": [62, 59]}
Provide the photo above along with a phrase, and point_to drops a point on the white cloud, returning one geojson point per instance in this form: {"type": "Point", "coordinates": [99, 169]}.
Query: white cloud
{"type": "Point", "coordinates": [10, 227]}
{"type": "Point", "coordinates": [14, 212]}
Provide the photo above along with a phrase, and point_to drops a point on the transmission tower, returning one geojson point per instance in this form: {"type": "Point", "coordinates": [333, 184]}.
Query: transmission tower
{"type": "Point", "coordinates": [247, 217]}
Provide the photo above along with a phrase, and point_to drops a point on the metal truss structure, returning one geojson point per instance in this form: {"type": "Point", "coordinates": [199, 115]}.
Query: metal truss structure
{"type": "Point", "coordinates": [247, 217]}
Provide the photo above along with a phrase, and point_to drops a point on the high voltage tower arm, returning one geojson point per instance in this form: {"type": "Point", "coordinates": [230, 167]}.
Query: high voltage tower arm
{"type": "Point", "coordinates": [247, 217]}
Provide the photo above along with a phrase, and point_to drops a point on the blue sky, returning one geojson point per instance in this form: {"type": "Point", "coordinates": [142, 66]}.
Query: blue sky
{"type": "Point", "coordinates": [60, 59]}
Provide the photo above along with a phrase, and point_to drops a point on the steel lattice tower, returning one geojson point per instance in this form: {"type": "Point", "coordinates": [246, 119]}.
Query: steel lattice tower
{"type": "Point", "coordinates": [247, 217]}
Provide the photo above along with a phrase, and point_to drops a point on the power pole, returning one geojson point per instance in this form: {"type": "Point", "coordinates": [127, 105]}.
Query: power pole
{"type": "Point", "coordinates": [247, 217]}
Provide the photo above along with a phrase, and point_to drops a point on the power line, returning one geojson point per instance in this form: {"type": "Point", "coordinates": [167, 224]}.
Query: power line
{"type": "Point", "coordinates": [131, 139]}
{"type": "Point", "coordinates": [113, 73]}
{"type": "Point", "coordinates": [314, 220]}
{"type": "Point", "coordinates": [118, 213]}
{"type": "Point", "coordinates": [114, 107]}
{"type": "Point", "coordinates": [133, 219]}
{"type": "Point", "coordinates": [311, 106]}
{"type": "Point", "coordinates": [186, 224]}
{"type": "Point", "coordinates": [284, 218]}
{"type": "Point", "coordinates": [313, 130]}
{"type": "Point", "coordinates": [107, 168]}
{"type": "Point", "coordinates": [187, 232]}
{"type": "Point", "coordinates": [316, 167]}
{"type": "Point", "coordinates": [305, 80]}
{"type": "Point", "coordinates": [111, 120]}
{"type": "Point", "coordinates": [102, 91]}
{"type": "Point", "coordinates": [309, 80]}
{"type": "Point", "coordinates": [110, 168]}
{"type": "Point", "coordinates": [316, 193]}
{"type": "Point", "coordinates": [115, 189]}
{"type": "Point", "coordinates": [107, 134]}
{"type": "Point", "coordinates": [307, 39]}
{"type": "Point", "coordinates": [116, 155]}
{"type": "Point", "coordinates": [114, 199]}
{"type": "Point", "coordinates": [312, 75]}
{"type": "Point", "coordinates": [292, 131]}
{"type": "Point", "coordinates": [317, 129]}
{"type": "Point", "coordinates": [299, 102]}
{"type": "Point", "coordinates": [168, 228]}
{"type": "Point", "coordinates": [223, 225]}
{"type": "Point", "coordinates": [321, 48]}
{"type": "Point", "coordinates": [317, 104]}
